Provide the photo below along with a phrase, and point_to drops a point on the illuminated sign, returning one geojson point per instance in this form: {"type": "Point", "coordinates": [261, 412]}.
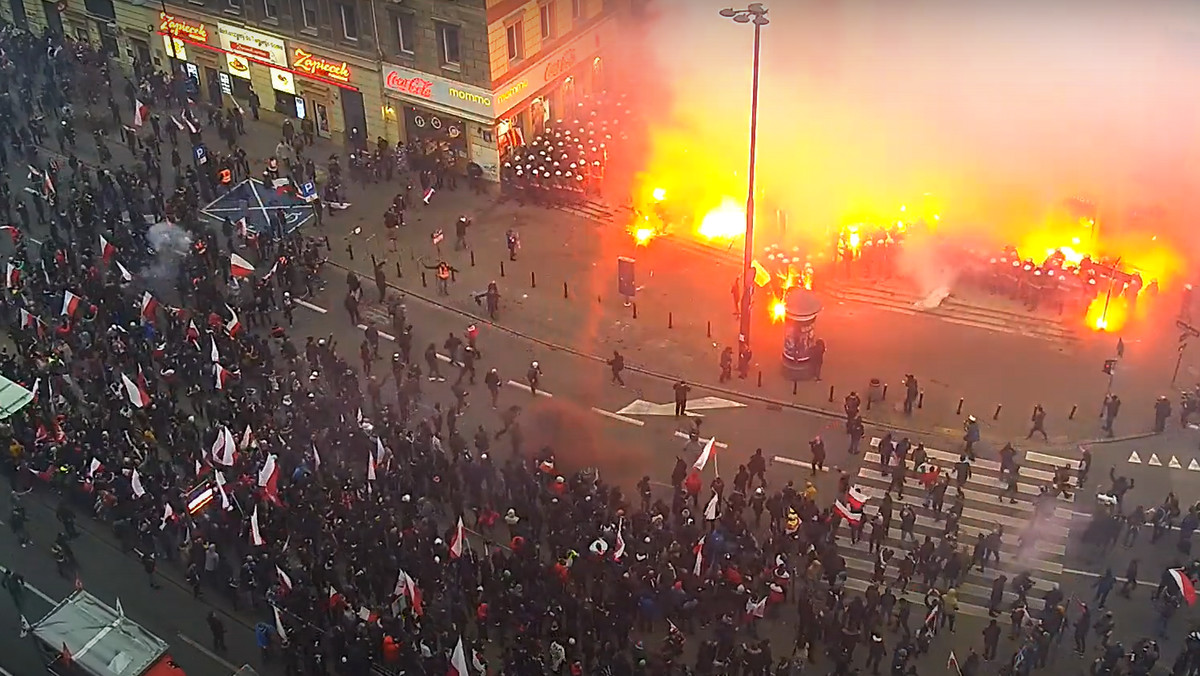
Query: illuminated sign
{"type": "Point", "coordinates": [554, 66]}
{"type": "Point", "coordinates": [471, 97]}
{"type": "Point", "coordinates": [560, 65]}
{"type": "Point", "coordinates": [253, 45]}
{"type": "Point", "coordinates": [178, 50]}
{"type": "Point", "coordinates": [238, 65]}
{"type": "Point", "coordinates": [282, 81]}
{"type": "Point", "coordinates": [309, 64]}
{"type": "Point", "coordinates": [413, 86]}
{"type": "Point", "coordinates": [508, 94]}
{"type": "Point", "coordinates": [182, 28]}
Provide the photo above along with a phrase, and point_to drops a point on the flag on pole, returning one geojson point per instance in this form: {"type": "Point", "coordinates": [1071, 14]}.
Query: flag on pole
{"type": "Point", "coordinates": [370, 470]}
{"type": "Point", "coordinates": [698, 550]}
{"type": "Point", "coordinates": [279, 625]}
{"type": "Point", "coordinates": [13, 276]}
{"type": "Point", "coordinates": [137, 395]}
{"type": "Point", "coordinates": [135, 482]}
{"type": "Point", "coordinates": [285, 582]}
{"type": "Point", "coordinates": [456, 542]}
{"type": "Point", "coordinates": [240, 267]}
{"type": "Point", "coordinates": [234, 325]}
{"type": "Point", "coordinates": [70, 303]}
{"type": "Point", "coordinates": [256, 537]}
{"type": "Point", "coordinates": [219, 478]}
{"type": "Point", "coordinates": [1185, 585]}
{"type": "Point", "coordinates": [94, 466]}
{"type": "Point", "coordinates": [140, 113]}
{"type": "Point", "coordinates": [619, 549]}
{"type": "Point", "coordinates": [247, 436]}
{"type": "Point", "coordinates": [712, 511]}
{"type": "Point", "coordinates": [705, 456]}
{"type": "Point", "coordinates": [30, 321]}
{"type": "Point", "coordinates": [149, 307]}
{"type": "Point", "coordinates": [168, 515]}
{"type": "Point", "coordinates": [268, 477]}
{"type": "Point", "coordinates": [850, 507]}
{"type": "Point", "coordinates": [952, 663]}
{"type": "Point", "coordinates": [214, 354]}
{"type": "Point", "coordinates": [428, 195]}
{"type": "Point", "coordinates": [316, 458]}
{"type": "Point", "coordinates": [223, 449]}
{"type": "Point", "coordinates": [458, 661]}
{"type": "Point", "coordinates": [107, 250]}
{"type": "Point", "coordinates": [125, 273]}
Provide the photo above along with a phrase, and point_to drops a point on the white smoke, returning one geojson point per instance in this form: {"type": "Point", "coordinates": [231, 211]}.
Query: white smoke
{"type": "Point", "coordinates": [170, 244]}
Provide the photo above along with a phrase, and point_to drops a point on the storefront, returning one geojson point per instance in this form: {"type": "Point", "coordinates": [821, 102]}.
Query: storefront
{"type": "Point", "coordinates": [182, 40]}
{"type": "Point", "coordinates": [451, 117]}
{"type": "Point", "coordinates": [552, 86]}
{"type": "Point", "coordinates": [328, 91]}
{"type": "Point", "coordinates": [257, 61]}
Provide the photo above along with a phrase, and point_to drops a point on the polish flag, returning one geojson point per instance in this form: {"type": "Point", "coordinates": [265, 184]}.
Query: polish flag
{"type": "Point", "coordinates": [234, 325]}
{"type": "Point", "coordinates": [223, 449]}
{"type": "Point", "coordinates": [268, 478]}
{"type": "Point", "coordinates": [13, 276]}
{"type": "Point", "coordinates": [70, 303]}
{"type": "Point", "coordinates": [168, 515]}
{"type": "Point", "coordinates": [428, 195]}
{"type": "Point", "coordinates": [756, 608]}
{"type": "Point", "coordinates": [370, 471]}
{"type": "Point", "coordinates": [406, 586]}
{"type": "Point", "coordinates": [247, 438]}
{"type": "Point", "coordinates": [107, 250]}
{"type": "Point", "coordinates": [13, 232]}
{"type": "Point", "coordinates": [140, 113]}
{"type": "Point", "coordinates": [93, 467]}
{"type": "Point", "coordinates": [240, 267]}
{"type": "Point", "coordinates": [149, 307]}
{"type": "Point", "coordinates": [712, 511]}
{"type": "Point", "coordinates": [137, 395]}
{"type": "Point", "coordinates": [193, 333]}
{"type": "Point", "coordinates": [458, 661]}
{"type": "Point", "coordinates": [256, 537]}
{"type": "Point", "coordinates": [30, 321]}
{"type": "Point", "coordinates": [219, 478]}
{"type": "Point", "coordinates": [243, 231]}
{"type": "Point", "coordinates": [279, 625]}
{"type": "Point", "coordinates": [285, 582]}
{"type": "Point", "coordinates": [851, 507]}
{"type": "Point", "coordinates": [456, 542]}
{"type": "Point", "coordinates": [214, 354]}
{"type": "Point", "coordinates": [698, 550]}
{"type": "Point", "coordinates": [222, 375]}
{"type": "Point", "coordinates": [1185, 585]}
{"type": "Point", "coordinates": [125, 273]}
{"type": "Point", "coordinates": [705, 456]}
{"type": "Point", "coordinates": [141, 379]}
{"type": "Point", "coordinates": [335, 599]}
{"type": "Point", "coordinates": [135, 482]}
{"type": "Point", "coordinates": [619, 550]}
{"type": "Point", "coordinates": [316, 458]}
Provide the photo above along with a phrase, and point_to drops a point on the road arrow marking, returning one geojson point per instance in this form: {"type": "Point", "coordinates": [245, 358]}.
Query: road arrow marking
{"type": "Point", "coordinates": [796, 463]}
{"type": "Point", "coordinates": [617, 416]}
{"type": "Point", "coordinates": [1154, 461]}
{"type": "Point", "coordinates": [1194, 466]}
{"type": "Point", "coordinates": [642, 407]}
{"type": "Point", "coordinates": [1135, 458]}
{"type": "Point", "coordinates": [684, 435]}
{"type": "Point", "coordinates": [1174, 463]}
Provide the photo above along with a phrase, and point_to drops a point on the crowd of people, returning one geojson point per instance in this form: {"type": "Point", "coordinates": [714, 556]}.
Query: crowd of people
{"type": "Point", "coordinates": [367, 528]}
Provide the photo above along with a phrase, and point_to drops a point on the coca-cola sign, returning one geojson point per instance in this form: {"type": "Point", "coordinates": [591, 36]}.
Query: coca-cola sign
{"type": "Point", "coordinates": [559, 65]}
{"type": "Point", "coordinates": [413, 86]}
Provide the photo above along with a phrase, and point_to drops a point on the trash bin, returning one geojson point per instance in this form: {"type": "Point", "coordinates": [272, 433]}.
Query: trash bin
{"type": "Point", "coordinates": [875, 391]}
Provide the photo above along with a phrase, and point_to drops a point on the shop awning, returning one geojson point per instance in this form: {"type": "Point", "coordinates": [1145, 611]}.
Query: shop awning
{"type": "Point", "coordinates": [13, 397]}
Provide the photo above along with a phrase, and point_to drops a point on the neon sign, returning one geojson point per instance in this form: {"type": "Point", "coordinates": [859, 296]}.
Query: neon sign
{"type": "Point", "coordinates": [182, 28]}
{"type": "Point", "coordinates": [310, 64]}
{"type": "Point", "coordinates": [409, 85]}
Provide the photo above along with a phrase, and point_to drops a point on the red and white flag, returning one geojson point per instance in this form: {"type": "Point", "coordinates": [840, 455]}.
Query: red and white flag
{"type": "Point", "coordinates": [428, 195]}
{"type": "Point", "coordinates": [167, 517]}
{"type": "Point", "coordinates": [70, 303]}
{"type": "Point", "coordinates": [247, 437]}
{"type": "Point", "coordinates": [125, 273]}
{"type": "Point", "coordinates": [107, 250]}
{"type": "Point", "coordinates": [705, 456]}
{"type": "Point", "coordinates": [619, 549]}
{"type": "Point", "coordinates": [13, 276]}
{"type": "Point", "coordinates": [457, 541]}
{"type": "Point", "coordinates": [712, 511]}
{"type": "Point", "coordinates": [850, 507]}
{"type": "Point", "coordinates": [335, 599]}
{"type": "Point", "coordinates": [140, 113]}
{"type": "Point", "coordinates": [193, 333]}
{"type": "Point", "coordinates": [370, 470]}
{"type": "Point", "coordinates": [240, 267]}
{"type": "Point", "coordinates": [137, 395]}
{"type": "Point", "coordinates": [222, 376]}
{"type": "Point", "coordinates": [285, 582]}
{"type": "Point", "coordinates": [698, 550]}
{"type": "Point", "coordinates": [135, 482]}
{"type": "Point", "coordinates": [406, 586]}
{"type": "Point", "coordinates": [268, 478]}
{"type": "Point", "coordinates": [149, 307]}
{"type": "Point", "coordinates": [1185, 585]}
{"type": "Point", "coordinates": [234, 325]}
{"type": "Point", "coordinates": [458, 661]}
{"type": "Point", "coordinates": [223, 449]}
{"type": "Point", "coordinates": [219, 478]}
{"type": "Point", "coordinates": [756, 608]}
{"type": "Point", "coordinates": [279, 625]}
{"type": "Point", "coordinates": [214, 354]}
{"type": "Point", "coordinates": [256, 537]}
{"type": "Point", "coordinates": [93, 467]}
{"type": "Point", "coordinates": [30, 321]}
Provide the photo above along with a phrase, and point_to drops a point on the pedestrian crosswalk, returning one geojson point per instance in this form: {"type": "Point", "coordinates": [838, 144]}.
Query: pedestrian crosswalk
{"type": "Point", "coordinates": [984, 508]}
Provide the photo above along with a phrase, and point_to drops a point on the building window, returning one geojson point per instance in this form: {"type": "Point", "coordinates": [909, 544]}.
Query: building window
{"type": "Point", "coordinates": [576, 9]}
{"type": "Point", "coordinates": [547, 15]}
{"type": "Point", "coordinates": [270, 9]}
{"type": "Point", "coordinates": [516, 41]}
{"type": "Point", "coordinates": [308, 9]}
{"type": "Point", "coordinates": [404, 33]}
{"type": "Point", "coordinates": [349, 21]}
{"type": "Point", "coordinates": [233, 5]}
{"type": "Point", "coordinates": [448, 40]}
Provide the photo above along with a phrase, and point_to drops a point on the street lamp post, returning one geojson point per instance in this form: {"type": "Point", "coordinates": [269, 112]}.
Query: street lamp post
{"type": "Point", "coordinates": [756, 14]}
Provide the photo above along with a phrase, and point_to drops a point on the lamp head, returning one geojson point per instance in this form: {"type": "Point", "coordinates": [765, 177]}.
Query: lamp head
{"type": "Point", "coordinates": [728, 12]}
{"type": "Point", "coordinates": [742, 18]}
{"type": "Point", "coordinates": [756, 8]}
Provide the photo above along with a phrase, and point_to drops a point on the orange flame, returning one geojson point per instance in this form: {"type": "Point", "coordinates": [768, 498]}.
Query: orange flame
{"type": "Point", "coordinates": [1110, 318]}
{"type": "Point", "coordinates": [725, 222]}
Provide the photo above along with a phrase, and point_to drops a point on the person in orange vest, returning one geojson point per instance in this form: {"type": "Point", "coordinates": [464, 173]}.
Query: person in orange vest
{"type": "Point", "coordinates": [443, 270]}
{"type": "Point", "coordinates": [391, 650]}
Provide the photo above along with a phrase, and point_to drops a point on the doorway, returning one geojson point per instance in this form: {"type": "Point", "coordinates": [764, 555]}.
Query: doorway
{"type": "Point", "coordinates": [50, 9]}
{"type": "Point", "coordinates": [18, 13]}
{"type": "Point", "coordinates": [212, 79]}
{"type": "Point", "coordinates": [354, 115]}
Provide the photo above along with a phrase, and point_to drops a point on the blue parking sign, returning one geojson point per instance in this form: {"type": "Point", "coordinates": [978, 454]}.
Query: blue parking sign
{"type": "Point", "coordinates": [200, 153]}
{"type": "Point", "coordinates": [308, 191]}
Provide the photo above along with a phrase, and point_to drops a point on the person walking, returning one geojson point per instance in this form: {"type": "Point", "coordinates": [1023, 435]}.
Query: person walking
{"type": "Point", "coordinates": [217, 627]}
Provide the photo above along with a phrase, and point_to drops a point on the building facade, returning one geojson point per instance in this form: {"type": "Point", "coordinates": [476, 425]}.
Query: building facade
{"type": "Point", "coordinates": [457, 75]}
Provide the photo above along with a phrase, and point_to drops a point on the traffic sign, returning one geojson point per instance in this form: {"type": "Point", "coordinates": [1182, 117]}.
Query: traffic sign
{"type": "Point", "coordinates": [200, 153]}
{"type": "Point", "coordinates": [438, 236]}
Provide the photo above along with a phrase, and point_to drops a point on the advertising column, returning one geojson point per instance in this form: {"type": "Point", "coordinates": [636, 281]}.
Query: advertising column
{"type": "Point", "coordinates": [255, 61]}
{"type": "Point", "coordinates": [446, 119]}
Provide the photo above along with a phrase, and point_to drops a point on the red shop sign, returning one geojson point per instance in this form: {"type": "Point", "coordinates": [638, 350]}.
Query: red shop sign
{"type": "Point", "coordinates": [310, 64]}
{"type": "Point", "coordinates": [560, 65]}
{"type": "Point", "coordinates": [181, 28]}
{"type": "Point", "coordinates": [409, 85]}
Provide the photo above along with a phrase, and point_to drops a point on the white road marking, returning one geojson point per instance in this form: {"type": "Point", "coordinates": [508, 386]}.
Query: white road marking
{"type": "Point", "coordinates": [617, 416]}
{"type": "Point", "coordinates": [684, 435]}
{"type": "Point", "coordinates": [1088, 573]}
{"type": "Point", "coordinates": [796, 463]}
{"type": "Point", "coordinates": [310, 306]}
{"type": "Point", "coordinates": [203, 650]}
{"type": "Point", "coordinates": [36, 592]}
{"type": "Point", "coordinates": [6, 672]}
{"type": "Point", "coordinates": [442, 357]}
{"type": "Point", "coordinates": [385, 336]}
{"type": "Point", "coordinates": [523, 386]}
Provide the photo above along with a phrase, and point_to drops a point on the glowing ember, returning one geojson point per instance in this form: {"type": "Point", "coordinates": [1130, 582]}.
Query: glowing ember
{"type": "Point", "coordinates": [659, 194]}
{"type": "Point", "coordinates": [642, 236]}
{"type": "Point", "coordinates": [1109, 319]}
{"type": "Point", "coordinates": [725, 222]}
{"type": "Point", "coordinates": [778, 310]}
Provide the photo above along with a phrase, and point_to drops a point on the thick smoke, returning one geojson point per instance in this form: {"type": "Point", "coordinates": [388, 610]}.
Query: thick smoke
{"type": "Point", "coordinates": [999, 110]}
{"type": "Point", "coordinates": [170, 244]}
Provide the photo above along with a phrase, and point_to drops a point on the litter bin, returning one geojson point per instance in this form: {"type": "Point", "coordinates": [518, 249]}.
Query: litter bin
{"type": "Point", "coordinates": [875, 391]}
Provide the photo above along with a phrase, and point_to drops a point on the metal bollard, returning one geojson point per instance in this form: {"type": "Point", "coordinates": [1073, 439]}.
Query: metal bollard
{"type": "Point", "coordinates": [869, 403]}
{"type": "Point", "coordinates": [921, 399]}
{"type": "Point", "coordinates": [831, 394]}
{"type": "Point", "coordinates": [670, 320]}
{"type": "Point", "coordinates": [634, 310]}
{"type": "Point", "coordinates": [532, 279]}
{"type": "Point", "coordinates": [760, 378]}
{"type": "Point", "coordinates": [424, 280]}
{"type": "Point", "coordinates": [453, 275]}
{"type": "Point", "coordinates": [472, 258]}
{"type": "Point", "coordinates": [399, 274]}
{"type": "Point", "coordinates": [883, 396]}
{"type": "Point", "coordinates": [501, 268]}
{"type": "Point", "coordinates": [996, 415]}
{"type": "Point", "coordinates": [708, 330]}
{"type": "Point", "coordinates": [565, 293]}
{"type": "Point", "coordinates": [350, 250]}
{"type": "Point", "coordinates": [1073, 410]}
{"type": "Point", "coordinates": [958, 411]}
{"type": "Point", "coordinates": [795, 387]}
